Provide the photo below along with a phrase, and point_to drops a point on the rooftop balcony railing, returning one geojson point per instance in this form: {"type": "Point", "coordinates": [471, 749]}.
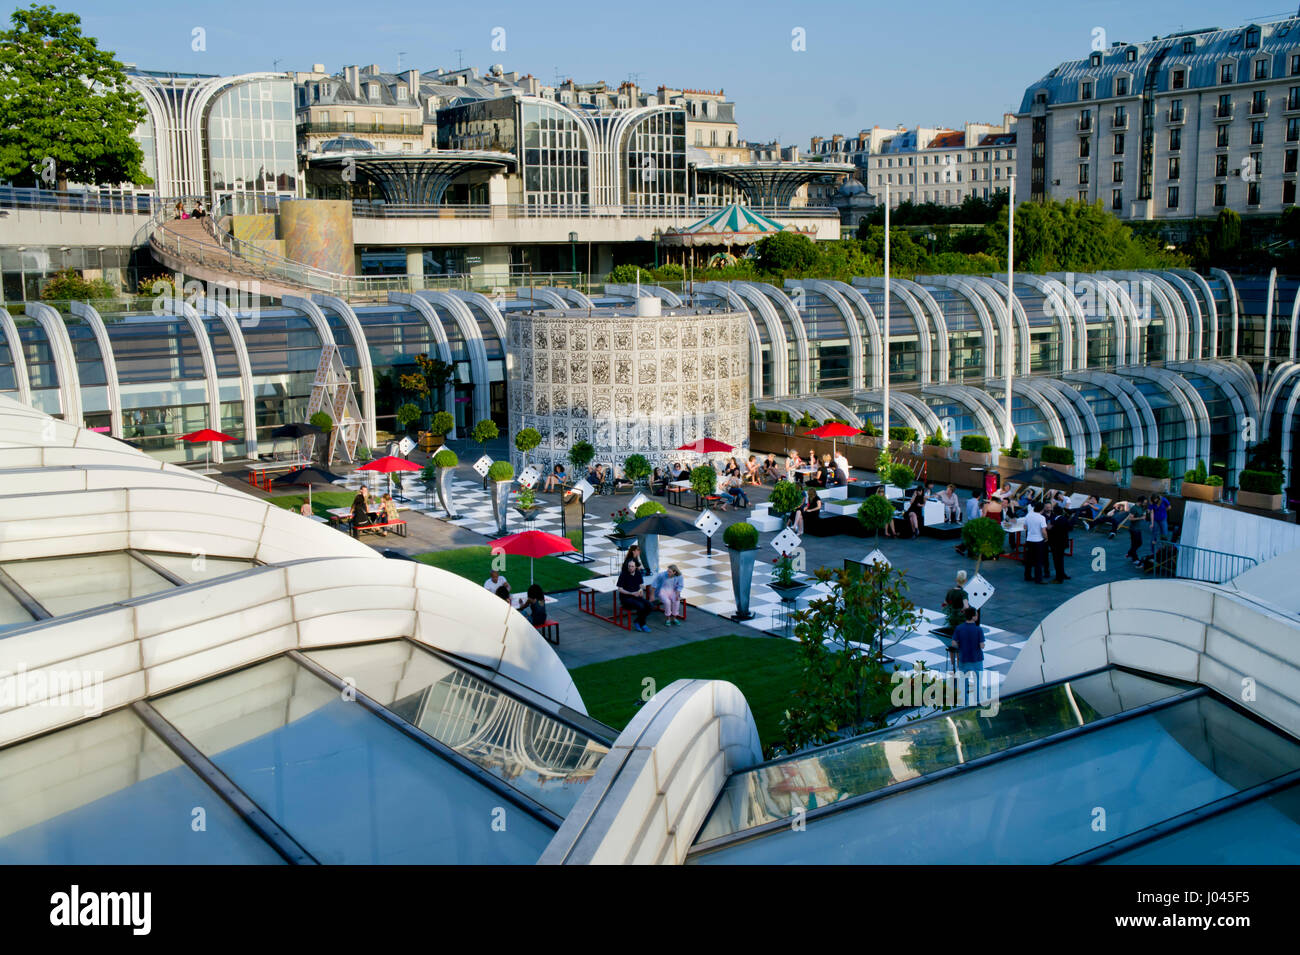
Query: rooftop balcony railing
{"type": "Point", "coordinates": [690, 213]}
{"type": "Point", "coordinates": [98, 202]}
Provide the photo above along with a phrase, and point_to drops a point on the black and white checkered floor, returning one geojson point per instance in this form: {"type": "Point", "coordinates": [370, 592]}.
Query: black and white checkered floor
{"type": "Point", "coordinates": [707, 576]}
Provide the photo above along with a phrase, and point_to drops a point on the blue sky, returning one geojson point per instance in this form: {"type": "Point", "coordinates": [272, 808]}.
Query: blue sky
{"type": "Point", "coordinates": [932, 62]}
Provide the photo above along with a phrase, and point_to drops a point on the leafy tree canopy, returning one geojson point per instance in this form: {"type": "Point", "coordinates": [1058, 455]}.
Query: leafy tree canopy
{"type": "Point", "coordinates": [63, 98]}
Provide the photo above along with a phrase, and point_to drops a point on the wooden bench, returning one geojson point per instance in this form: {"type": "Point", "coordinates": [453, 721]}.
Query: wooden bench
{"type": "Point", "coordinates": [399, 528]}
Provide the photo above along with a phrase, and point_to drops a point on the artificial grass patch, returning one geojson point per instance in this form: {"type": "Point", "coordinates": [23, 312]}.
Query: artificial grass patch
{"type": "Point", "coordinates": [475, 563]}
{"type": "Point", "coordinates": [321, 501]}
{"type": "Point", "coordinates": [765, 670]}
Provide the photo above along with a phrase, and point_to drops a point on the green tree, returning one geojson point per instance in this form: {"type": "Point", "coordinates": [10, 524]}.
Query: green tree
{"type": "Point", "coordinates": [1225, 237]}
{"type": "Point", "coordinates": [844, 687]}
{"type": "Point", "coordinates": [485, 431]}
{"type": "Point", "coordinates": [786, 252]}
{"type": "Point", "coordinates": [63, 98]}
{"type": "Point", "coordinates": [68, 286]}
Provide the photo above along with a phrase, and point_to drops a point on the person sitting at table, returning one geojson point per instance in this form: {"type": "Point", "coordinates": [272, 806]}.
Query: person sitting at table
{"type": "Point", "coordinates": [792, 465]}
{"type": "Point", "coordinates": [732, 468]}
{"type": "Point", "coordinates": [666, 587]}
{"type": "Point", "coordinates": [306, 510]}
{"type": "Point", "coordinates": [842, 465]}
{"type": "Point", "coordinates": [496, 580]}
{"type": "Point", "coordinates": [534, 607]}
{"type": "Point", "coordinates": [504, 593]}
{"type": "Point", "coordinates": [916, 512]}
{"type": "Point", "coordinates": [975, 506]}
{"type": "Point", "coordinates": [753, 473]}
{"type": "Point", "coordinates": [388, 511]}
{"type": "Point", "coordinates": [834, 476]}
{"type": "Point", "coordinates": [361, 516]}
{"type": "Point", "coordinates": [951, 505]}
{"type": "Point", "coordinates": [658, 482]}
{"type": "Point", "coordinates": [596, 476]}
{"type": "Point", "coordinates": [770, 468]}
{"type": "Point", "coordinates": [556, 480]}
{"type": "Point", "coordinates": [734, 491]}
{"type": "Point", "coordinates": [631, 592]}
{"type": "Point", "coordinates": [818, 476]}
{"type": "Point", "coordinates": [993, 509]}
{"type": "Point", "coordinates": [807, 514]}
{"type": "Point", "coordinates": [1002, 493]}
{"type": "Point", "coordinates": [679, 472]}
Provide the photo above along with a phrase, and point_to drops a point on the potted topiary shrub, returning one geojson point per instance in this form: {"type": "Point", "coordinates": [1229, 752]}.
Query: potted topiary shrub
{"type": "Point", "coordinates": [975, 449]}
{"type": "Point", "coordinates": [984, 539]}
{"type": "Point", "coordinates": [1262, 490]}
{"type": "Point", "coordinates": [526, 503]}
{"type": "Point", "coordinates": [636, 468]}
{"type": "Point", "coordinates": [1014, 459]}
{"type": "Point", "coordinates": [483, 432]}
{"type": "Point", "coordinates": [784, 581]}
{"type": "Point", "coordinates": [741, 539]}
{"type": "Point", "coordinates": [323, 421]}
{"type": "Point", "coordinates": [900, 475]}
{"type": "Point", "coordinates": [525, 441]}
{"type": "Point", "coordinates": [407, 415]}
{"type": "Point", "coordinates": [875, 514]}
{"type": "Point", "coordinates": [785, 497]}
{"type": "Point", "coordinates": [704, 481]}
{"type": "Point", "coordinates": [580, 455]}
{"type": "Point", "coordinates": [442, 424]}
{"type": "Point", "coordinates": [500, 476]}
{"type": "Point", "coordinates": [1103, 468]}
{"type": "Point", "coordinates": [937, 447]}
{"type": "Point", "coordinates": [1197, 486]}
{"type": "Point", "coordinates": [1150, 474]}
{"type": "Point", "coordinates": [444, 463]}
{"type": "Point", "coordinates": [649, 543]}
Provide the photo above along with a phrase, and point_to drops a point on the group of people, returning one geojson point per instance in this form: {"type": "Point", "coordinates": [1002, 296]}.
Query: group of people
{"type": "Point", "coordinates": [824, 472]}
{"type": "Point", "coordinates": [639, 595]}
{"type": "Point", "coordinates": [532, 604]}
{"type": "Point", "coordinates": [198, 213]}
{"type": "Point", "coordinates": [362, 514]}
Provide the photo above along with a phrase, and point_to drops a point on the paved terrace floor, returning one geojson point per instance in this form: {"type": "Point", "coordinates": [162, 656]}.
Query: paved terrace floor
{"type": "Point", "coordinates": [931, 566]}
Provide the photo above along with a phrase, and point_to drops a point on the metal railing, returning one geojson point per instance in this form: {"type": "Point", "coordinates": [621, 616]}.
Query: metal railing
{"type": "Point", "coordinates": [1187, 562]}
{"type": "Point", "coordinates": [378, 209]}
{"type": "Point", "coordinates": [101, 202]}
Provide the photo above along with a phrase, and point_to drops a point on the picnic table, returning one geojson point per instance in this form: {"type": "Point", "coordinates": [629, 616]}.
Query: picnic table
{"type": "Point", "coordinates": [588, 590]}
{"type": "Point", "coordinates": [260, 472]}
{"type": "Point", "coordinates": [676, 489]}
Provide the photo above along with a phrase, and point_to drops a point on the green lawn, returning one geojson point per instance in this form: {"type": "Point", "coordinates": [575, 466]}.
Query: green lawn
{"type": "Point", "coordinates": [321, 501]}
{"type": "Point", "coordinates": [475, 563]}
{"type": "Point", "coordinates": [764, 669]}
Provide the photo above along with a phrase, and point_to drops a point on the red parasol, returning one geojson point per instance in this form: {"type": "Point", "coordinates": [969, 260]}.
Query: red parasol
{"type": "Point", "coordinates": [706, 446]}
{"type": "Point", "coordinates": [532, 544]}
{"type": "Point", "coordinates": [834, 430]}
{"type": "Point", "coordinates": [206, 435]}
{"type": "Point", "coordinates": [387, 465]}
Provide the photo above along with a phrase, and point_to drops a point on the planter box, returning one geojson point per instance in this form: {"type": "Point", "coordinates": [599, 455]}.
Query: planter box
{"type": "Point", "coordinates": [1263, 502]}
{"type": "Point", "coordinates": [1009, 465]}
{"type": "Point", "coordinates": [1100, 476]}
{"type": "Point", "coordinates": [1140, 483]}
{"type": "Point", "coordinates": [1202, 492]}
{"type": "Point", "coordinates": [978, 458]}
{"type": "Point", "coordinates": [936, 452]}
{"type": "Point", "coordinates": [866, 440]}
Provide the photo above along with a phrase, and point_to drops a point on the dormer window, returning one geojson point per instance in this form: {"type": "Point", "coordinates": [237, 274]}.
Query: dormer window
{"type": "Point", "coordinates": [1131, 55]}
{"type": "Point", "coordinates": [1189, 47]}
{"type": "Point", "coordinates": [372, 90]}
{"type": "Point", "coordinates": [1094, 60]}
{"type": "Point", "coordinates": [401, 93]}
{"type": "Point", "coordinates": [1252, 38]}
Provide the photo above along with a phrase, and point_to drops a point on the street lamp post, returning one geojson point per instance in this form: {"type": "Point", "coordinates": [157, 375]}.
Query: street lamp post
{"type": "Point", "coordinates": [884, 337]}
{"type": "Point", "coordinates": [1009, 431]}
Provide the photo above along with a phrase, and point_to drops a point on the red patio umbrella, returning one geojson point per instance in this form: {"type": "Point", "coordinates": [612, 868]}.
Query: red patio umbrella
{"type": "Point", "coordinates": [387, 465]}
{"type": "Point", "coordinates": [206, 435]}
{"type": "Point", "coordinates": [834, 430]}
{"type": "Point", "coordinates": [532, 544]}
{"type": "Point", "coordinates": [706, 446]}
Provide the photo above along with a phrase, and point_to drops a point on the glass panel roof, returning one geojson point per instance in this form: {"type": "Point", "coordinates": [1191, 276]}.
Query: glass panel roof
{"type": "Point", "coordinates": [1263, 832]}
{"type": "Point", "coordinates": [1043, 805]}
{"type": "Point", "coordinates": [538, 755]}
{"type": "Point", "coordinates": [65, 585]}
{"type": "Point", "coordinates": [192, 569]}
{"type": "Point", "coordinates": [864, 764]}
{"type": "Point", "coordinates": [347, 786]}
{"type": "Point", "coordinates": [12, 613]}
{"type": "Point", "coordinates": [109, 791]}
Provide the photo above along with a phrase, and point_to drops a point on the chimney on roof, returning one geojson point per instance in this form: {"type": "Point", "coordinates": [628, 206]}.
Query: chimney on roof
{"type": "Point", "coordinates": [318, 67]}
{"type": "Point", "coordinates": [352, 76]}
{"type": "Point", "coordinates": [412, 78]}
